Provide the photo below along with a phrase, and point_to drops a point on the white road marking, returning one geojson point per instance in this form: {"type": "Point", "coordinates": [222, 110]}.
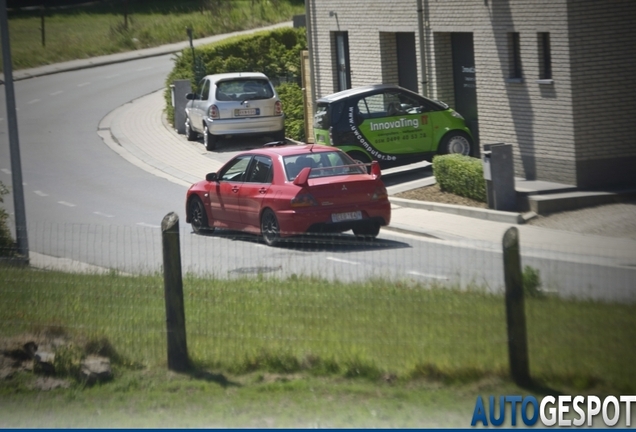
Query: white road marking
{"type": "Point", "coordinates": [33, 101]}
{"type": "Point", "coordinates": [342, 261]}
{"type": "Point", "coordinates": [68, 204]}
{"type": "Point", "coordinates": [427, 275]}
{"type": "Point", "coordinates": [6, 171]}
{"type": "Point", "coordinates": [113, 76]}
{"type": "Point", "coordinates": [83, 84]}
{"type": "Point", "coordinates": [57, 93]}
{"type": "Point", "coordinates": [147, 225]}
{"type": "Point", "coordinates": [103, 214]}
{"type": "Point", "coordinates": [40, 193]}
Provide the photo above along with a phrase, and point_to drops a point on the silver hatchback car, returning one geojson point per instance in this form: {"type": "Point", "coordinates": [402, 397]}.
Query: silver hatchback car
{"type": "Point", "coordinates": [242, 103]}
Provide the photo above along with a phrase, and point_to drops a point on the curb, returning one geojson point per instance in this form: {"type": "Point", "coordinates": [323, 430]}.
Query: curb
{"type": "Point", "coordinates": [486, 214]}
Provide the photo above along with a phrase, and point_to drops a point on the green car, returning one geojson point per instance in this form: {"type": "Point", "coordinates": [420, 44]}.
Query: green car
{"type": "Point", "coordinates": [390, 124]}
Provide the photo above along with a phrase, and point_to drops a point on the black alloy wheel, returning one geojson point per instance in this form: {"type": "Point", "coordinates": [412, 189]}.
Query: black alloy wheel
{"type": "Point", "coordinates": [270, 228]}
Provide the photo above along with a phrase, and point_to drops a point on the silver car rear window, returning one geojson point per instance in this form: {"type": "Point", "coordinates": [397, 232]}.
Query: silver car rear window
{"type": "Point", "coordinates": [244, 89]}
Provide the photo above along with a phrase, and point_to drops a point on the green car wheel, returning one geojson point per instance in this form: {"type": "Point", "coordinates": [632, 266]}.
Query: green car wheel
{"type": "Point", "coordinates": [456, 143]}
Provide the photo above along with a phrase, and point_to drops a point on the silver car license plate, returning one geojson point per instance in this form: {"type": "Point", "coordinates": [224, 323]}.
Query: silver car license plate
{"type": "Point", "coordinates": [245, 112]}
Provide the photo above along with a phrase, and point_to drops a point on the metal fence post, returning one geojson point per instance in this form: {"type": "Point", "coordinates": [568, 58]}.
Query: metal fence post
{"type": "Point", "coordinates": [515, 310]}
{"type": "Point", "coordinates": [173, 290]}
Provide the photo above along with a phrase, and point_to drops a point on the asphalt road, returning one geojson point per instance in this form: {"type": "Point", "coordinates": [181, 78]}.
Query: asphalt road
{"type": "Point", "coordinates": [85, 203]}
{"type": "Point", "coordinates": [70, 176]}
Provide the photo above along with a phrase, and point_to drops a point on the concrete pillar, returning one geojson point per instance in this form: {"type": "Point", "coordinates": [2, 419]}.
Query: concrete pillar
{"type": "Point", "coordinates": [499, 174]}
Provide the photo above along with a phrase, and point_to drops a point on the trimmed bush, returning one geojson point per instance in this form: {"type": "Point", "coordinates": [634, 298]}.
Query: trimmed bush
{"type": "Point", "coordinates": [461, 175]}
{"type": "Point", "coordinates": [275, 53]}
{"type": "Point", "coordinates": [291, 95]}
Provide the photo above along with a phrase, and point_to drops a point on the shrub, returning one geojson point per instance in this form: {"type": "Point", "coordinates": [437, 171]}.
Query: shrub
{"type": "Point", "coordinates": [461, 175]}
{"type": "Point", "coordinates": [7, 247]}
{"type": "Point", "coordinates": [291, 96]}
{"type": "Point", "coordinates": [275, 53]}
{"type": "Point", "coordinates": [531, 282]}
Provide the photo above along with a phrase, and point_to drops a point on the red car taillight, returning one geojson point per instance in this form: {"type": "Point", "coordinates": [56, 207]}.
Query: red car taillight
{"type": "Point", "coordinates": [380, 194]}
{"type": "Point", "coordinates": [278, 108]}
{"type": "Point", "coordinates": [213, 112]}
{"type": "Point", "coordinates": [375, 169]}
{"type": "Point", "coordinates": [303, 200]}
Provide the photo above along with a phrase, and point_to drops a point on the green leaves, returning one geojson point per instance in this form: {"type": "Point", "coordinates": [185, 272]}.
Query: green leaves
{"type": "Point", "coordinates": [275, 53]}
{"type": "Point", "coordinates": [461, 175]}
{"type": "Point", "coordinates": [6, 241]}
{"type": "Point", "coordinates": [291, 96]}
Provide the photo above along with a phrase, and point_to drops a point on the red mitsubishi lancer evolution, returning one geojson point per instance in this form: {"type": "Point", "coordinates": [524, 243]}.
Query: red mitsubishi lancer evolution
{"type": "Point", "coordinates": [287, 190]}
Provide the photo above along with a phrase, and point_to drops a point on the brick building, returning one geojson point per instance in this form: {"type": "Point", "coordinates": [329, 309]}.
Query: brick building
{"type": "Point", "coordinates": [554, 78]}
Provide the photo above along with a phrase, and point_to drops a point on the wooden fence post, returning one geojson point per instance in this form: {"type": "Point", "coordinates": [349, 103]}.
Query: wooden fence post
{"type": "Point", "coordinates": [515, 310]}
{"type": "Point", "coordinates": [173, 290]}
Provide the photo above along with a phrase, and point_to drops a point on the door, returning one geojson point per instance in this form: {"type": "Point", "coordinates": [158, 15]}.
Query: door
{"type": "Point", "coordinates": [465, 80]}
{"type": "Point", "coordinates": [224, 195]}
{"type": "Point", "coordinates": [254, 190]}
{"type": "Point", "coordinates": [407, 61]}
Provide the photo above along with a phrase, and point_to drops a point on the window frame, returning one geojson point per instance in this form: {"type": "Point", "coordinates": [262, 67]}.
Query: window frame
{"type": "Point", "coordinates": [343, 69]}
{"type": "Point", "coordinates": [545, 56]}
{"type": "Point", "coordinates": [515, 68]}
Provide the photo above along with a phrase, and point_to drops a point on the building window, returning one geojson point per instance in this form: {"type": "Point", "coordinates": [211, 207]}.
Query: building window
{"type": "Point", "coordinates": [514, 51]}
{"type": "Point", "coordinates": [342, 61]}
{"type": "Point", "coordinates": [545, 58]}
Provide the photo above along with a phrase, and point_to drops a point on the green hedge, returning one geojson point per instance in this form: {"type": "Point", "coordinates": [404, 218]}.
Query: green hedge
{"type": "Point", "coordinates": [275, 53]}
{"type": "Point", "coordinates": [291, 96]}
{"type": "Point", "coordinates": [461, 175]}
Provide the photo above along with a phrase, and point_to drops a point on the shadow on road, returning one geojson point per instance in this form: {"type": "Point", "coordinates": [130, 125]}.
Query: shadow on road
{"type": "Point", "coordinates": [315, 242]}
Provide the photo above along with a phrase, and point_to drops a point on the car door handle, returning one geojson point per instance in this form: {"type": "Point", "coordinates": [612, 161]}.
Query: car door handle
{"type": "Point", "coordinates": [235, 189]}
{"type": "Point", "coordinates": [262, 190]}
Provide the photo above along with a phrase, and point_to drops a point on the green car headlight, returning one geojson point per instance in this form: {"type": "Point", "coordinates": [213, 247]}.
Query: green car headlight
{"type": "Point", "coordinates": [456, 114]}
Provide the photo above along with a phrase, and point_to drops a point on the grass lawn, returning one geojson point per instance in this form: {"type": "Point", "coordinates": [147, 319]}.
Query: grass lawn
{"type": "Point", "coordinates": [371, 330]}
{"type": "Point", "coordinates": [159, 399]}
{"type": "Point", "coordinates": [100, 29]}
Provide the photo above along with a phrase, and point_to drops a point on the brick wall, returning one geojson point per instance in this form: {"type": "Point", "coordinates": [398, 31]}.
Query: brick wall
{"type": "Point", "coordinates": [603, 51]}
{"type": "Point", "coordinates": [559, 129]}
{"type": "Point", "coordinates": [367, 22]}
{"type": "Point", "coordinates": [442, 80]}
{"type": "Point", "coordinates": [389, 62]}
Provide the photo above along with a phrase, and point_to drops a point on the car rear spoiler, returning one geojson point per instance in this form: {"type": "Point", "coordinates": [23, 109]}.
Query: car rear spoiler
{"type": "Point", "coordinates": [303, 176]}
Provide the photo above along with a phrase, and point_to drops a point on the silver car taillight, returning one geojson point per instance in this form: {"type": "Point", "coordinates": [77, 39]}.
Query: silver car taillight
{"type": "Point", "coordinates": [278, 108]}
{"type": "Point", "coordinates": [213, 112]}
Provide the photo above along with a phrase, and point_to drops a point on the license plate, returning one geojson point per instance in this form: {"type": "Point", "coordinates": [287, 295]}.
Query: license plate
{"type": "Point", "coordinates": [340, 217]}
{"type": "Point", "coordinates": [246, 112]}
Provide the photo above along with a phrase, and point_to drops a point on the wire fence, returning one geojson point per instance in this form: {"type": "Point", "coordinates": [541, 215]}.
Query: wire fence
{"type": "Point", "coordinates": [398, 305]}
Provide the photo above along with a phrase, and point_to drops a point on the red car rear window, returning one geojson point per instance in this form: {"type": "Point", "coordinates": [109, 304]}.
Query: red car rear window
{"type": "Point", "coordinates": [322, 164]}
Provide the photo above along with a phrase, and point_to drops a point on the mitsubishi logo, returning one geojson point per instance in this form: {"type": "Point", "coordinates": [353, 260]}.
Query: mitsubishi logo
{"type": "Point", "coordinates": [344, 187]}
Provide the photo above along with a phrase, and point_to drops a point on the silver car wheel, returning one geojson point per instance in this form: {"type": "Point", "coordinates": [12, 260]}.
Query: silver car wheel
{"type": "Point", "coordinates": [456, 143]}
{"type": "Point", "coordinates": [190, 134]}
{"type": "Point", "coordinates": [209, 140]}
